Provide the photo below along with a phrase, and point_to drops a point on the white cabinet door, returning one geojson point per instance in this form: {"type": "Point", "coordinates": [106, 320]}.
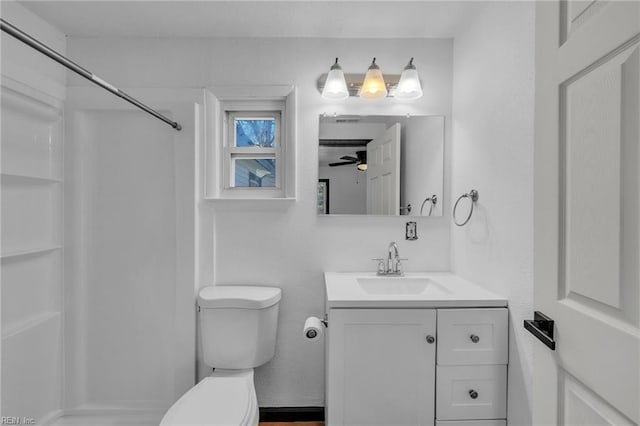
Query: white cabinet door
{"type": "Point", "coordinates": [381, 367]}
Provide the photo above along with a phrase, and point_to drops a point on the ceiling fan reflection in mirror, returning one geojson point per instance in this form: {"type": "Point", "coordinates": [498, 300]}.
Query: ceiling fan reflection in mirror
{"type": "Point", "coordinates": [360, 160]}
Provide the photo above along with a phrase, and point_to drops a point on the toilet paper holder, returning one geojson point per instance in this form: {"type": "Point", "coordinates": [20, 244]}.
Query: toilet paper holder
{"type": "Point", "coordinates": [325, 321]}
{"type": "Point", "coordinates": [313, 327]}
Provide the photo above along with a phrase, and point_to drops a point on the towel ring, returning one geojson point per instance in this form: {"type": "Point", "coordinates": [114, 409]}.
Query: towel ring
{"type": "Point", "coordinates": [433, 200]}
{"type": "Point", "coordinates": [473, 195]}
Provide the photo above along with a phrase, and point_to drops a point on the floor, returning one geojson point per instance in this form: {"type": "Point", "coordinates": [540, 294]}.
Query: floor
{"type": "Point", "coordinates": [133, 420]}
{"type": "Point", "coordinates": [291, 424]}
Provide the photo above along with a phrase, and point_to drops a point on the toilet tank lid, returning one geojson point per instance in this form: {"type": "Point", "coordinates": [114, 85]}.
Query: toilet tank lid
{"type": "Point", "coordinates": [238, 296]}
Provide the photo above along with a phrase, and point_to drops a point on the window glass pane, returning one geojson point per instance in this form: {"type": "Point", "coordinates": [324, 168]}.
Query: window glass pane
{"type": "Point", "coordinates": [255, 132]}
{"type": "Point", "coordinates": [254, 172]}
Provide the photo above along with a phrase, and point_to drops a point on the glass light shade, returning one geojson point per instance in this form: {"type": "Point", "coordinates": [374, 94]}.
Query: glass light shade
{"type": "Point", "coordinates": [409, 85]}
{"type": "Point", "coordinates": [335, 87]}
{"type": "Point", "coordinates": [362, 166]}
{"type": "Point", "coordinates": [373, 86]}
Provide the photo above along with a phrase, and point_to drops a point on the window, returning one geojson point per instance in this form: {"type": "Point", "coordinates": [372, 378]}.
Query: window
{"type": "Point", "coordinates": [249, 145]}
{"type": "Point", "coordinates": [253, 149]}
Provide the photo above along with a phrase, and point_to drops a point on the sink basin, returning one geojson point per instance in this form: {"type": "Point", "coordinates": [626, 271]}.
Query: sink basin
{"type": "Point", "coordinates": [400, 285]}
{"type": "Point", "coordinates": [413, 290]}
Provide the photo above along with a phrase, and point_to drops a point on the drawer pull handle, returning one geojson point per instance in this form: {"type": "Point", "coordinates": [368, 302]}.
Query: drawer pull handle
{"type": "Point", "coordinates": [473, 394]}
{"type": "Point", "coordinates": [430, 339]}
{"type": "Point", "coordinates": [474, 338]}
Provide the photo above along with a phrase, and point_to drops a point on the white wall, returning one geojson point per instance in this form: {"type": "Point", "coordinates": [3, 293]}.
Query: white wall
{"type": "Point", "coordinates": [347, 189]}
{"type": "Point", "coordinates": [32, 198]}
{"type": "Point", "coordinates": [493, 153]}
{"type": "Point", "coordinates": [287, 244]}
{"type": "Point", "coordinates": [422, 156]}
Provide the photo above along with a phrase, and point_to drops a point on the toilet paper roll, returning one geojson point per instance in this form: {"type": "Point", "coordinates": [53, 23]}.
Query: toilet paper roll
{"type": "Point", "coordinates": [313, 328]}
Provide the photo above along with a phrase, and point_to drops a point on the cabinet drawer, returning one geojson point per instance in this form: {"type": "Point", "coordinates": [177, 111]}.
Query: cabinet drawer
{"type": "Point", "coordinates": [472, 423]}
{"type": "Point", "coordinates": [471, 392]}
{"type": "Point", "coordinates": [472, 336]}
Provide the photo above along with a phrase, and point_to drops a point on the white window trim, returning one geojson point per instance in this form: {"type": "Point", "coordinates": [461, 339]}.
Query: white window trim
{"type": "Point", "coordinates": [217, 154]}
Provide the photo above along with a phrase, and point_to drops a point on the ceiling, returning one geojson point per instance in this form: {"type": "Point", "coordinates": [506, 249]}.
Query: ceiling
{"type": "Point", "coordinates": [310, 18]}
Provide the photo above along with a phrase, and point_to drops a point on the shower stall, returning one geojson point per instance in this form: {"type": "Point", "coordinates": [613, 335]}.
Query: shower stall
{"type": "Point", "coordinates": [98, 228]}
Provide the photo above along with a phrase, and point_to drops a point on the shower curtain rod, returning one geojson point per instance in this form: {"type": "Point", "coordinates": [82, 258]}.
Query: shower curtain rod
{"type": "Point", "coordinates": [42, 48]}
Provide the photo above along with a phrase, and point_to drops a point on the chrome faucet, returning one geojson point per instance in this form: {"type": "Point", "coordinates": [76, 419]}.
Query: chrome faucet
{"type": "Point", "coordinates": [392, 265]}
{"type": "Point", "coordinates": [393, 262]}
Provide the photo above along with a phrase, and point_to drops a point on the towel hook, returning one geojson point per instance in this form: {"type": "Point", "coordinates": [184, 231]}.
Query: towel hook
{"type": "Point", "coordinates": [473, 195]}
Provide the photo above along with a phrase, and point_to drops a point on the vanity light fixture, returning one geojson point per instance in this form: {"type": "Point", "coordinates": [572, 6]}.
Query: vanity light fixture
{"type": "Point", "coordinates": [335, 86]}
{"type": "Point", "coordinates": [409, 85]}
{"type": "Point", "coordinates": [373, 86]}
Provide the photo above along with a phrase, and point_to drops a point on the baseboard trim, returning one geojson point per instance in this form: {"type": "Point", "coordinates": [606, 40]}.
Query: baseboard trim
{"type": "Point", "coordinates": [267, 414]}
{"type": "Point", "coordinates": [291, 414]}
{"type": "Point", "coordinates": [51, 417]}
{"type": "Point", "coordinates": [109, 415]}
{"type": "Point", "coordinates": [106, 410]}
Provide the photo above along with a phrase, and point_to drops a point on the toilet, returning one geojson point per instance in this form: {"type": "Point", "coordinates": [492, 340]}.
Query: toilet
{"type": "Point", "coordinates": [238, 333]}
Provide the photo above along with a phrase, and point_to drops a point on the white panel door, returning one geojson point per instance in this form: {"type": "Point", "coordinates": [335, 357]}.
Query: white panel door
{"type": "Point", "coordinates": [383, 173]}
{"type": "Point", "coordinates": [381, 367]}
{"type": "Point", "coordinates": [586, 212]}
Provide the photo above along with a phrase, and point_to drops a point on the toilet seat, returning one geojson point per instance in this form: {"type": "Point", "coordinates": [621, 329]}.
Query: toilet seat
{"type": "Point", "coordinates": [226, 398]}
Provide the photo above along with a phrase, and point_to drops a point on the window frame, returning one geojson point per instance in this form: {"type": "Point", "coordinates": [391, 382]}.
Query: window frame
{"type": "Point", "coordinates": [216, 151]}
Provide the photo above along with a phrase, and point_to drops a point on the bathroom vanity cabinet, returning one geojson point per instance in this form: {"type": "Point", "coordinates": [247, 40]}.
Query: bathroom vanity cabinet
{"type": "Point", "coordinates": [436, 361]}
{"type": "Point", "coordinates": [417, 366]}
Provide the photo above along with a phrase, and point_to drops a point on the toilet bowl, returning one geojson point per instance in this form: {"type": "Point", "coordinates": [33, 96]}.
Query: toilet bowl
{"type": "Point", "coordinates": [238, 332]}
{"type": "Point", "coordinates": [225, 398]}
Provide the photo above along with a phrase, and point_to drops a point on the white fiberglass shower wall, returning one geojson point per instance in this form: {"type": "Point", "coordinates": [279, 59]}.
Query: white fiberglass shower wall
{"type": "Point", "coordinates": [98, 282]}
{"type": "Point", "coordinates": [130, 321]}
{"type": "Point", "coordinates": [32, 275]}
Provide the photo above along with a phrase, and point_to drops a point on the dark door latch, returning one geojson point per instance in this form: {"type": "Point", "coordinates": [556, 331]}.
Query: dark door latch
{"type": "Point", "coordinates": [542, 327]}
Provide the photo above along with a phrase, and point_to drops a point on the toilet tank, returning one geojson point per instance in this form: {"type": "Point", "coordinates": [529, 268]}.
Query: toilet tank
{"type": "Point", "coordinates": [238, 325]}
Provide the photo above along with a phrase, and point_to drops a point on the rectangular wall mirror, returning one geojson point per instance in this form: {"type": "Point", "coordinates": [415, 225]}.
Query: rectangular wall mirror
{"type": "Point", "coordinates": [381, 165]}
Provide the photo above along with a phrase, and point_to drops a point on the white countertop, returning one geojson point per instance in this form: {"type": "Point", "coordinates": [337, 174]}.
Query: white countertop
{"type": "Point", "coordinates": [442, 290]}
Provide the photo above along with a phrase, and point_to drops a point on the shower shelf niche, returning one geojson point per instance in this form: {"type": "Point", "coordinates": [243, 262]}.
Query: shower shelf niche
{"type": "Point", "coordinates": [12, 178]}
{"type": "Point", "coordinates": [13, 254]}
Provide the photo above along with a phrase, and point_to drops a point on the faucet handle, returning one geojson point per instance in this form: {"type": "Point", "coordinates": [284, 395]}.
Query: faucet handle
{"type": "Point", "coordinates": [381, 268]}
{"type": "Point", "coordinates": [399, 265]}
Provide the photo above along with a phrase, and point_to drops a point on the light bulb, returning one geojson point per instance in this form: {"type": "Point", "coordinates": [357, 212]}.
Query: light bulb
{"type": "Point", "coordinates": [335, 87]}
{"type": "Point", "coordinates": [409, 85]}
{"type": "Point", "coordinates": [373, 86]}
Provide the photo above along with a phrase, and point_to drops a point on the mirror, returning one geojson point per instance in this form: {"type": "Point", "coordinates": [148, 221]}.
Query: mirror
{"type": "Point", "coordinates": [381, 165]}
